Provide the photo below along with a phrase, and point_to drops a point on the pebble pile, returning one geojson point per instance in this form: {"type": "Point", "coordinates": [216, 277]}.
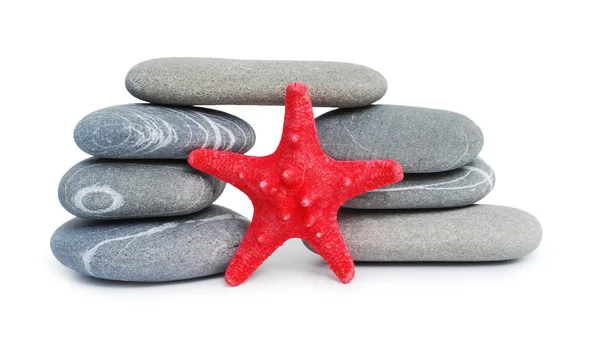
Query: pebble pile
{"type": "Point", "coordinates": [143, 214]}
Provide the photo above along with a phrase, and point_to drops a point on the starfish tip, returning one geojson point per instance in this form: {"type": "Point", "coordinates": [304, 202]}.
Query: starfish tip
{"type": "Point", "coordinates": [296, 87]}
{"type": "Point", "coordinates": [192, 157]}
{"type": "Point", "coordinates": [397, 170]}
{"type": "Point", "coordinates": [348, 277]}
{"type": "Point", "coordinates": [232, 280]}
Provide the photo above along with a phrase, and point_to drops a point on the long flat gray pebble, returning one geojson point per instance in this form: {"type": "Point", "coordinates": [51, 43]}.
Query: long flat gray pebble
{"type": "Point", "coordinates": [144, 131]}
{"type": "Point", "coordinates": [124, 189]}
{"type": "Point", "coordinates": [211, 81]}
{"type": "Point", "coordinates": [477, 233]}
{"type": "Point", "coordinates": [151, 250]}
{"type": "Point", "coordinates": [422, 140]}
{"type": "Point", "coordinates": [456, 188]}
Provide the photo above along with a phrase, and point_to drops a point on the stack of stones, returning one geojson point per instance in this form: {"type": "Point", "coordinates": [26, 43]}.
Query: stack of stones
{"type": "Point", "coordinates": [143, 214]}
{"type": "Point", "coordinates": [429, 215]}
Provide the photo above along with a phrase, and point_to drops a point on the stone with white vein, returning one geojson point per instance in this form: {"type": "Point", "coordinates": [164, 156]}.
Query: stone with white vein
{"type": "Point", "coordinates": [144, 131]}
{"type": "Point", "coordinates": [124, 189]}
{"type": "Point", "coordinates": [459, 187]}
{"type": "Point", "coordinates": [477, 233]}
{"type": "Point", "coordinates": [422, 140]}
{"type": "Point", "coordinates": [152, 250]}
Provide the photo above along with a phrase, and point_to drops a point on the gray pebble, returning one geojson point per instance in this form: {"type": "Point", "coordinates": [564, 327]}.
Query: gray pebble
{"type": "Point", "coordinates": [456, 188]}
{"type": "Point", "coordinates": [120, 189]}
{"type": "Point", "coordinates": [209, 81]}
{"type": "Point", "coordinates": [422, 140]}
{"type": "Point", "coordinates": [475, 233]}
{"type": "Point", "coordinates": [151, 250]}
{"type": "Point", "coordinates": [143, 131]}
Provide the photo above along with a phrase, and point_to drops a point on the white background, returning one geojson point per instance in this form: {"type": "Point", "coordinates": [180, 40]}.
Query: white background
{"type": "Point", "coordinates": [526, 71]}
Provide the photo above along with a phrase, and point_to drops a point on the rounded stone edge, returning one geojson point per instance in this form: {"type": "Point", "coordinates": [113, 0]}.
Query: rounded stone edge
{"type": "Point", "coordinates": [132, 85]}
{"type": "Point", "coordinates": [376, 93]}
{"type": "Point", "coordinates": [536, 235]}
{"type": "Point", "coordinates": [478, 140]}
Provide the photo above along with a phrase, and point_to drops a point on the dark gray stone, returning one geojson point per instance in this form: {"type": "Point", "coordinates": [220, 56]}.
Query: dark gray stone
{"type": "Point", "coordinates": [209, 81]}
{"type": "Point", "coordinates": [143, 131]}
{"type": "Point", "coordinates": [456, 188]}
{"type": "Point", "coordinates": [422, 140]}
{"type": "Point", "coordinates": [120, 189]}
{"type": "Point", "coordinates": [472, 234]}
{"type": "Point", "coordinates": [151, 250]}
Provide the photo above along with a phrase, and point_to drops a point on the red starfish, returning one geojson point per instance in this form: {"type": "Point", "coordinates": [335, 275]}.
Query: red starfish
{"type": "Point", "coordinates": [296, 191]}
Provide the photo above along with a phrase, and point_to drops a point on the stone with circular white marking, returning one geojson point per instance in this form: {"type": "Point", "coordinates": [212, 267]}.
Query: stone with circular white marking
{"type": "Point", "coordinates": [476, 233]}
{"type": "Point", "coordinates": [124, 189]}
{"type": "Point", "coordinates": [151, 250]}
{"type": "Point", "coordinates": [422, 140]}
{"type": "Point", "coordinates": [144, 131]}
{"type": "Point", "coordinates": [456, 188]}
{"type": "Point", "coordinates": [211, 81]}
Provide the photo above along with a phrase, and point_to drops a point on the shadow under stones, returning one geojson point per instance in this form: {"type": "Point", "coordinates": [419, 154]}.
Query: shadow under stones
{"type": "Point", "coordinates": [429, 264]}
{"type": "Point", "coordinates": [99, 282]}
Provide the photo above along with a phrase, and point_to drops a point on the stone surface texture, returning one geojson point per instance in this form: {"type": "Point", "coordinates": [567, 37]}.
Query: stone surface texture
{"type": "Point", "coordinates": [211, 81]}
{"type": "Point", "coordinates": [422, 140]}
{"type": "Point", "coordinates": [456, 188]}
{"type": "Point", "coordinates": [121, 189]}
{"type": "Point", "coordinates": [152, 250]}
{"type": "Point", "coordinates": [143, 131]}
{"type": "Point", "coordinates": [476, 233]}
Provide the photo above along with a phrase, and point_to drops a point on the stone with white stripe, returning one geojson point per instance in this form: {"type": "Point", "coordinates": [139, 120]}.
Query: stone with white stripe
{"type": "Point", "coordinates": [459, 187]}
{"type": "Point", "coordinates": [152, 250]}
{"type": "Point", "coordinates": [125, 189]}
{"type": "Point", "coordinates": [144, 131]}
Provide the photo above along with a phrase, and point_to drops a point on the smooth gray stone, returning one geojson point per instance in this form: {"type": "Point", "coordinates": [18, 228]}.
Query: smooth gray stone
{"type": "Point", "coordinates": [120, 189]}
{"type": "Point", "coordinates": [422, 140]}
{"type": "Point", "coordinates": [143, 131]}
{"type": "Point", "coordinates": [476, 233]}
{"type": "Point", "coordinates": [210, 81]}
{"type": "Point", "coordinates": [456, 188]}
{"type": "Point", "coordinates": [151, 250]}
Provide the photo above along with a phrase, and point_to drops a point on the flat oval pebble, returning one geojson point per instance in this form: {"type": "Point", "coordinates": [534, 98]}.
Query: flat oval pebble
{"type": "Point", "coordinates": [456, 188]}
{"type": "Point", "coordinates": [210, 81]}
{"type": "Point", "coordinates": [119, 189]}
{"type": "Point", "coordinates": [143, 131]}
{"type": "Point", "coordinates": [476, 233]}
{"type": "Point", "coordinates": [422, 140]}
{"type": "Point", "coordinates": [151, 250]}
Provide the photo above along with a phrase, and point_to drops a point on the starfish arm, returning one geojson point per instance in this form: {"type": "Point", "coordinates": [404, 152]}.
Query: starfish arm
{"type": "Point", "coordinates": [299, 129]}
{"type": "Point", "coordinates": [240, 168]}
{"type": "Point", "coordinates": [363, 176]}
{"type": "Point", "coordinates": [330, 245]}
{"type": "Point", "coordinates": [258, 244]}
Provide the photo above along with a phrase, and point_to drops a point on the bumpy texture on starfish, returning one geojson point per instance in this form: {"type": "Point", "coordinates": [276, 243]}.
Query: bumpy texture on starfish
{"type": "Point", "coordinates": [296, 191]}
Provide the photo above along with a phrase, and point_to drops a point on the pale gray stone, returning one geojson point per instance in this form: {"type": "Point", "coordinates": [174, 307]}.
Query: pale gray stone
{"type": "Point", "coordinates": [151, 250]}
{"type": "Point", "coordinates": [456, 188]}
{"type": "Point", "coordinates": [124, 189]}
{"type": "Point", "coordinates": [422, 140]}
{"type": "Point", "coordinates": [210, 81]}
{"type": "Point", "coordinates": [144, 131]}
{"type": "Point", "coordinates": [476, 233]}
